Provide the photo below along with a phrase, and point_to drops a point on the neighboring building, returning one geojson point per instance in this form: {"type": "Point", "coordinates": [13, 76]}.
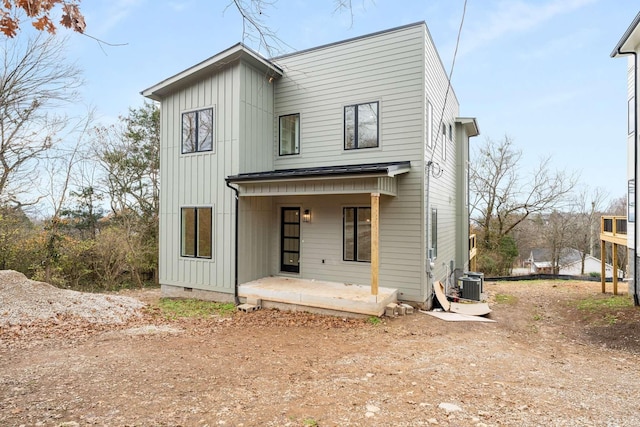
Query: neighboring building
{"type": "Point", "coordinates": [349, 167]}
{"type": "Point", "coordinates": [570, 263]}
{"type": "Point", "coordinates": [629, 45]}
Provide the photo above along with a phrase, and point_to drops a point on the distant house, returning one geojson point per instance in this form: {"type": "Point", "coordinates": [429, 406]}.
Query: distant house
{"type": "Point", "coordinates": [570, 263]}
{"type": "Point", "coordinates": [629, 46]}
{"type": "Point", "coordinates": [342, 163]}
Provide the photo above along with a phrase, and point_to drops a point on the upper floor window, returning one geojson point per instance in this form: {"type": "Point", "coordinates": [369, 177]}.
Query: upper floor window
{"type": "Point", "coordinates": [197, 131]}
{"type": "Point", "coordinates": [289, 134]}
{"type": "Point", "coordinates": [361, 126]}
{"type": "Point", "coordinates": [450, 133]}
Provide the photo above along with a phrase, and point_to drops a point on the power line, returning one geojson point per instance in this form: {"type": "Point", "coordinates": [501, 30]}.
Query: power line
{"type": "Point", "coordinates": [446, 95]}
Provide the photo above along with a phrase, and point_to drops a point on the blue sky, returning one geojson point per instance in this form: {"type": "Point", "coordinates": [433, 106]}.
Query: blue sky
{"type": "Point", "coordinates": [538, 71]}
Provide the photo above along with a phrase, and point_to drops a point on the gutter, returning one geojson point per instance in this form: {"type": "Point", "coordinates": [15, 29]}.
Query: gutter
{"type": "Point", "coordinates": [636, 298]}
{"type": "Point", "coordinates": [236, 299]}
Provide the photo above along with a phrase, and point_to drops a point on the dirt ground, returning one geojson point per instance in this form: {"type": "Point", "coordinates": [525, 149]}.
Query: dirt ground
{"type": "Point", "coordinates": [544, 362]}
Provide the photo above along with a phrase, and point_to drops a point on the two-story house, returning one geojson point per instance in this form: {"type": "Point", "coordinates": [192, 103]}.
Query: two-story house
{"type": "Point", "coordinates": [629, 46]}
{"type": "Point", "coordinates": [341, 164]}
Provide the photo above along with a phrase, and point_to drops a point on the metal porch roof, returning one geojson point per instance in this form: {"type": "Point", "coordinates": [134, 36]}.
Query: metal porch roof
{"type": "Point", "coordinates": [371, 169]}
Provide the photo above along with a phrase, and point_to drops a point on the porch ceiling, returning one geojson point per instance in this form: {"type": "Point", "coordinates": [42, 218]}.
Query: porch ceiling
{"type": "Point", "coordinates": [350, 179]}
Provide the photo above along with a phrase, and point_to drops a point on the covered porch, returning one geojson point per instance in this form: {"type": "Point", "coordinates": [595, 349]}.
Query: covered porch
{"type": "Point", "coordinates": [317, 296]}
{"type": "Point", "coordinates": [305, 263]}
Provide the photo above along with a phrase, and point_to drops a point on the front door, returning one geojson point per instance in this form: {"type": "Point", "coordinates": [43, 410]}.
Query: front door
{"type": "Point", "coordinates": [290, 240]}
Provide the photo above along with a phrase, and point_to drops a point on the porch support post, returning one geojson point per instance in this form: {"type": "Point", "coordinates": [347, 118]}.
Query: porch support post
{"type": "Point", "coordinates": [603, 254]}
{"type": "Point", "coordinates": [375, 240]}
{"type": "Point", "coordinates": [614, 261]}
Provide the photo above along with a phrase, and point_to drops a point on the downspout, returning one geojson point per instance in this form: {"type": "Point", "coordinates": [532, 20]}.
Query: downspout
{"type": "Point", "coordinates": [427, 266]}
{"type": "Point", "coordinates": [636, 299]}
{"type": "Point", "coordinates": [236, 299]}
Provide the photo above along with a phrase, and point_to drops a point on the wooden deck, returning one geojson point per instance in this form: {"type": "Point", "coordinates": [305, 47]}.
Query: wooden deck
{"type": "Point", "coordinates": [613, 229]}
{"type": "Point", "coordinates": [317, 296]}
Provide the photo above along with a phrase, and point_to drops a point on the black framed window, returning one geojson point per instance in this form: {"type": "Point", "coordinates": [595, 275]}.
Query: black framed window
{"type": "Point", "coordinates": [196, 232]}
{"type": "Point", "coordinates": [289, 134]}
{"type": "Point", "coordinates": [197, 131]}
{"type": "Point", "coordinates": [357, 234]}
{"type": "Point", "coordinates": [361, 126]}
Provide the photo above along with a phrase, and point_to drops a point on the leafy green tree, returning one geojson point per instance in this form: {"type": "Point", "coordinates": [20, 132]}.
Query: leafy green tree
{"type": "Point", "coordinates": [129, 154]}
{"type": "Point", "coordinates": [84, 216]}
{"type": "Point", "coordinates": [15, 227]}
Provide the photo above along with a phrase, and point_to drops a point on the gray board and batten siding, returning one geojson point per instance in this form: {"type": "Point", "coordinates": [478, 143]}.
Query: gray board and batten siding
{"type": "Point", "coordinates": [242, 98]}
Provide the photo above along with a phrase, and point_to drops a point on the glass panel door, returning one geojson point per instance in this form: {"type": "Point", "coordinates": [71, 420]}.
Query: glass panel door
{"type": "Point", "coordinates": [290, 240]}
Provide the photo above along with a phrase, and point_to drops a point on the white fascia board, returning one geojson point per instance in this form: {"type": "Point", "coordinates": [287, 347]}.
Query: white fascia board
{"type": "Point", "coordinates": [470, 125]}
{"type": "Point", "coordinates": [232, 54]}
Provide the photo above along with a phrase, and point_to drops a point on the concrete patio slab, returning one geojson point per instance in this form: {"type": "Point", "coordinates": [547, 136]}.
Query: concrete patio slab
{"type": "Point", "coordinates": [333, 297]}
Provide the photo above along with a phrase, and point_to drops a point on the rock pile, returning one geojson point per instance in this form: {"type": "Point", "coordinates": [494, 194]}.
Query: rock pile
{"type": "Point", "coordinates": [24, 301]}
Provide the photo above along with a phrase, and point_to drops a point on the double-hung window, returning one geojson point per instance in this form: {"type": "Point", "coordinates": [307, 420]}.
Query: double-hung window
{"type": "Point", "coordinates": [197, 131]}
{"type": "Point", "coordinates": [289, 134]}
{"type": "Point", "coordinates": [196, 233]}
{"type": "Point", "coordinates": [361, 126]}
{"type": "Point", "coordinates": [357, 234]}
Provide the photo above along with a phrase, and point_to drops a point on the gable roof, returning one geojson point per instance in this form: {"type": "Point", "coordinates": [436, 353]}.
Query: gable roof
{"type": "Point", "coordinates": [233, 54]}
{"type": "Point", "coordinates": [630, 39]}
{"type": "Point", "coordinates": [567, 255]}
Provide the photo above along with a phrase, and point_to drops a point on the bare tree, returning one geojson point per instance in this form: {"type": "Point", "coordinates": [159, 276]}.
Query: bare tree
{"type": "Point", "coordinates": [256, 30]}
{"type": "Point", "coordinates": [62, 169]}
{"type": "Point", "coordinates": [502, 197]}
{"type": "Point", "coordinates": [129, 154]}
{"type": "Point", "coordinates": [558, 231]}
{"type": "Point", "coordinates": [587, 207]}
{"type": "Point", "coordinates": [35, 79]}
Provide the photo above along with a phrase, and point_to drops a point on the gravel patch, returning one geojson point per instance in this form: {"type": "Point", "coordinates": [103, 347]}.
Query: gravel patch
{"type": "Point", "coordinates": [24, 301]}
